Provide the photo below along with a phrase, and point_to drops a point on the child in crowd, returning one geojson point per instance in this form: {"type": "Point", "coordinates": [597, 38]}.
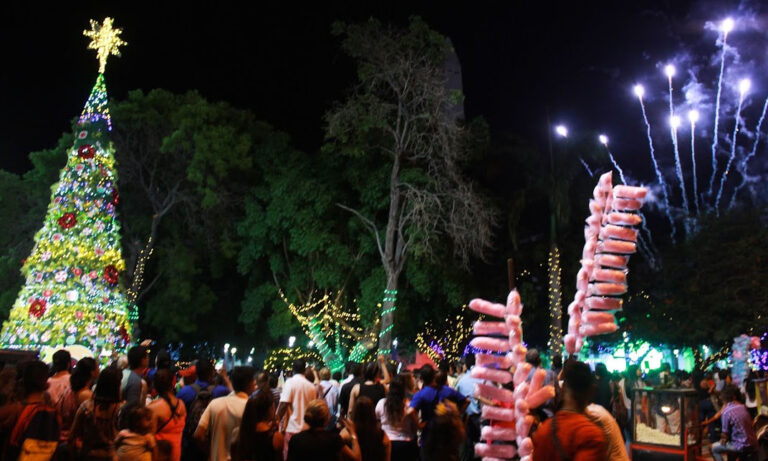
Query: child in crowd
{"type": "Point", "coordinates": [137, 442]}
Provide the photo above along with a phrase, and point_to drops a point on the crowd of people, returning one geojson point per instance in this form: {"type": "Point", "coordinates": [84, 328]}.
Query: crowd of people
{"type": "Point", "coordinates": [375, 412]}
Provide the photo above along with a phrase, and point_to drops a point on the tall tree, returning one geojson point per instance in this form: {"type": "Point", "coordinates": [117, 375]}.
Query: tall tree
{"type": "Point", "coordinates": [711, 287]}
{"type": "Point", "coordinates": [398, 119]}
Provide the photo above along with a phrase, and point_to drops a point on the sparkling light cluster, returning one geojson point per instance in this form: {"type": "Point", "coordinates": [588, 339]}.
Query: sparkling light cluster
{"type": "Point", "coordinates": [335, 331]}
{"type": "Point", "coordinates": [105, 40]}
{"type": "Point", "coordinates": [554, 293]}
{"type": "Point", "coordinates": [96, 108]}
{"type": "Point", "coordinates": [282, 358]}
{"type": "Point", "coordinates": [73, 294]}
{"type": "Point", "coordinates": [448, 339]}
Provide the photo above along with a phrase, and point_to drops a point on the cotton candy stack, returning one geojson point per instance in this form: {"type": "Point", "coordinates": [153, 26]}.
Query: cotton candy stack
{"type": "Point", "coordinates": [611, 236]}
{"type": "Point", "coordinates": [503, 339]}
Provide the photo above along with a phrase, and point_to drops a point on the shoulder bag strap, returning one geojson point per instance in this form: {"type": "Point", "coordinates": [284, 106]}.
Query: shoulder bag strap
{"type": "Point", "coordinates": [173, 413]}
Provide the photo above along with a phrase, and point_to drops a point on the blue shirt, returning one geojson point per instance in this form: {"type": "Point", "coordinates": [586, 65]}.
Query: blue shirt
{"type": "Point", "coordinates": [427, 399]}
{"type": "Point", "coordinates": [738, 425]}
{"type": "Point", "coordinates": [187, 393]}
{"type": "Point", "coordinates": [466, 386]}
{"type": "Point", "coordinates": [130, 386]}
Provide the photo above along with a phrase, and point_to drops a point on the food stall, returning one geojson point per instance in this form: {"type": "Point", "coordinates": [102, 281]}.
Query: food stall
{"type": "Point", "coordinates": [665, 425]}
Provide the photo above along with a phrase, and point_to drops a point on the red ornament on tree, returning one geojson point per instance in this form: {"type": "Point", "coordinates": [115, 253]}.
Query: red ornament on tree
{"type": "Point", "coordinates": [77, 271]}
{"type": "Point", "coordinates": [115, 197]}
{"type": "Point", "coordinates": [86, 151]}
{"type": "Point", "coordinates": [110, 274]}
{"type": "Point", "coordinates": [124, 334]}
{"type": "Point", "coordinates": [37, 308]}
{"type": "Point", "coordinates": [67, 221]}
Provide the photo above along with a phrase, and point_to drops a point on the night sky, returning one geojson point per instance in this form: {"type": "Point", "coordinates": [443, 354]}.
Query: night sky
{"type": "Point", "coordinates": [520, 59]}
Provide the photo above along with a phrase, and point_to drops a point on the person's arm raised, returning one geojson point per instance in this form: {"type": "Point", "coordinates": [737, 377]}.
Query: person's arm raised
{"type": "Point", "coordinates": [386, 378]}
{"type": "Point", "coordinates": [351, 453]}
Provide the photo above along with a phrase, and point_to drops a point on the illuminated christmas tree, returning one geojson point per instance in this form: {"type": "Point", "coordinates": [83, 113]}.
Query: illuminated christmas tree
{"type": "Point", "coordinates": [73, 295]}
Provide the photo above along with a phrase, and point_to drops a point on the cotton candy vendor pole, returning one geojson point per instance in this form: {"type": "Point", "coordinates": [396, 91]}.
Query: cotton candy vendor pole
{"type": "Point", "coordinates": [610, 237]}
{"type": "Point", "coordinates": [504, 361]}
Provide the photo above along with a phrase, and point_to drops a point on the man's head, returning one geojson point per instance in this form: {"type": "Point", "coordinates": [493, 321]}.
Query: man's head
{"type": "Point", "coordinates": [138, 357]}
{"type": "Point", "coordinates": [578, 383]}
{"type": "Point", "coordinates": [427, 375]}
{"type": "Point", "coordinates": [204, 370]}
{"type": "Point", "coordinates": [62, 361]}
{"type": "Point", "coordinates": [557, 362]}
{"type": "Point", "coordinates": [163, 360]}
{"type": "Point", "coordinates": [469, 360]}
{"type": "Point", "coordinates": [299, 365]}
{"type": "Point", "coordinates": [35, 377]}
{"type": "Point", "coordinates": [325, 374]}
{"type": "Point", "coordinates": [533, 357]}
{"type": "Point", "coordinates": [730, 393]}
{"type": "Point", "coordinates": [242, 379]}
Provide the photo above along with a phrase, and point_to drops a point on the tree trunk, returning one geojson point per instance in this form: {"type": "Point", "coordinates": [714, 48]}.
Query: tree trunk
{"type": "Point", "coordinates": [388, 307]}
{"type": "Point", "coordinates": [393, 259]}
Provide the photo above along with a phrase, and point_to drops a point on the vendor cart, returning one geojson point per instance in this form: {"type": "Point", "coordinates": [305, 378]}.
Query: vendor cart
{"type": "Point", "coordinates": [665, 425]}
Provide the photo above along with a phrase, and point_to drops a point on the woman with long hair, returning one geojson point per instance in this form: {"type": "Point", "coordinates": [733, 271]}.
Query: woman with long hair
{"type": "Point", "coordinates": [374, 442]}
{"type": "Point", "coordinates": [95, 428]}
{"type": "Point", "coordinates": [370, 387]}
{"type": "Point", "coordinates": [168, 412]}
{"type": "Point", "coordinates": [85, 373]}
{"type": "Point", "coordinates": [399, 421]}
{"type": "Point", "coordinates": [258, 439]}
{"type": "Point", "coordinates": [604, 394]}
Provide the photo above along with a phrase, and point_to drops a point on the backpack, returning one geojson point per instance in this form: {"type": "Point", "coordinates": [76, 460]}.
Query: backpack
{"type": "Point", "coordinates": [36, 433]}
{"type": "Point", "coordinates": [203, 397]}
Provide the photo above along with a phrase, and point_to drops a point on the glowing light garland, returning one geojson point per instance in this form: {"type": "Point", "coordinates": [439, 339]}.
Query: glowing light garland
{"type": "Point", "coordinates": [282, 358]}
{"type": "Point", "coordinates": [73, 293]}
{"type": "Point", "coordinates": [334, 330]}
{"type": "Point", "coordinates": [448, 340]}
{"type": "Point", "coordinates": [555, 342]}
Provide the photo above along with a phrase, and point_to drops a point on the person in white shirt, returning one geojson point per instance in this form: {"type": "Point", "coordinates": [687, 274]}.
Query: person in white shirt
{"type": "Point", "coordinates": [221, 418]}
{"type": "Point", "coordinates": [604, 420]}
{"type": "Point", "coordinates": [327, 391]}
{"type": "Point", "coordinates": [296, 395]}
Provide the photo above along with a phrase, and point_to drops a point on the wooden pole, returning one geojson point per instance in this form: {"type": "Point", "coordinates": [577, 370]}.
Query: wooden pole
{"type": "Point", "coordinates": [511, 273]}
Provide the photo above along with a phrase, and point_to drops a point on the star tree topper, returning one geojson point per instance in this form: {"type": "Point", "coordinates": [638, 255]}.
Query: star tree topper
{"type": "Point", "coordinates": [105, 40]}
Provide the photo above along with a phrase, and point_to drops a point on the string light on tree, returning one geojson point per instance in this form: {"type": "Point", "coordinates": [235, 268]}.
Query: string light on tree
{"type": "Point", "coordinates": [280, 359]}
{"type": "Point", "coordinates": [448, 339]}
{"type": "Point", "coordinates": [336, 332]}
{"type": "Point", "coordinates": [554, 294]}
